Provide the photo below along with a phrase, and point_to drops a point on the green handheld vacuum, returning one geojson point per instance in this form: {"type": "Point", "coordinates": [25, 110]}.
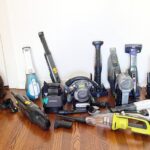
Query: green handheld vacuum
{"type": "Point", "coordinates": [114, 121]}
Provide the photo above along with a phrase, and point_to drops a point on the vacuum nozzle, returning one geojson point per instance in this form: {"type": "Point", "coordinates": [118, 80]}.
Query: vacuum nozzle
{"type": "Point", "coordinates": [62, 124]}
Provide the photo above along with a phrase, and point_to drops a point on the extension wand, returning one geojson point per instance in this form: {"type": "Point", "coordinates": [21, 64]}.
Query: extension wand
{"type": "Point", "coordinates": [49, 59]}
{"type": "Point", "coordinates": [101, 91]}
{"type": "Point", "coordinates": [32, 111]}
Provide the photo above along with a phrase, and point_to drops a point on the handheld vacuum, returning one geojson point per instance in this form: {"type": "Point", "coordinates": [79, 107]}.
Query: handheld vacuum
{"type": "Point", "coordinates": [113, 69]}
{"type": "Point", "coordinates": [32, 111]}
{"type": "Point", "coordinates": [32, 83]}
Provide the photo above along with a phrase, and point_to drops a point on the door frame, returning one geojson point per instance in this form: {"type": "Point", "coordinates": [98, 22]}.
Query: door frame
{"type": "Point", "coordinates": [3, 72]}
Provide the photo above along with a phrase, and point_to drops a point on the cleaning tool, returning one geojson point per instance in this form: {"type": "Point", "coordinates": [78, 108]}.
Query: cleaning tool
{"type": "Point", "coordinates": [113, 70]}
{"type": "Point", "coordinates": [32, 111]}
{"type": "Point", "coordinates": [114, 121]}
{"type": "Point", "coordinates": [133, 50]}
{"type": "Point", "coordinates": [52, 93]}
{"type": "Point", "coordinates": [101, 91]}
{"type": "Point", "coordinates": [32, 84]}
{"type": "Point", "coordinates": [62, 124]}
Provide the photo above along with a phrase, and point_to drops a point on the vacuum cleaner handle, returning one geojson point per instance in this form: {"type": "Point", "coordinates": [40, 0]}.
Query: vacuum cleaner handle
{"type": "Point", "coordinates": [98, 63]}
{"type": "Point", "coordinates": [42, 38]}
{"type": "Point", "coordinates": [49, 59]}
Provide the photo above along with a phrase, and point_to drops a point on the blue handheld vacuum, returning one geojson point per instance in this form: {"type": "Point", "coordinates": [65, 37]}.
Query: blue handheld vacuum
{"type": "Point", "coordinates": [32, 84]}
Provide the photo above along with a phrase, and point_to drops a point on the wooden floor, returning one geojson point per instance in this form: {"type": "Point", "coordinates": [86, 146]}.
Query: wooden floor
{"type": "Point", "coordinates": [17, 133]}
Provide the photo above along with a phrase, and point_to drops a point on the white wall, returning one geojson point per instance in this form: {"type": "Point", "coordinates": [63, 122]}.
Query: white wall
{"type": "Point", "coordinates": [10, 75]}
{"type": "Point", "coordinates": [2, 64]}
{"type": "Point", "coordinates": [70, 26]}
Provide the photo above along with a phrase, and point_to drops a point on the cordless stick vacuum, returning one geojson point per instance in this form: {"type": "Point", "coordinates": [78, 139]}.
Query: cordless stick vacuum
{"type": "Point", "coordinates": [133, 49]}
{"type": "Point", "coordinates": [101, 91]}
{"type": "Point", "coordinates": [52, 93]}
{"type": "Point", "coordinates": [121, 84]}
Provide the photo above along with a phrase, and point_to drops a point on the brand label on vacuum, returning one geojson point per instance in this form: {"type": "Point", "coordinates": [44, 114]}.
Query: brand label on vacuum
{"type": "Point", "coordinates": [34, 88]}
